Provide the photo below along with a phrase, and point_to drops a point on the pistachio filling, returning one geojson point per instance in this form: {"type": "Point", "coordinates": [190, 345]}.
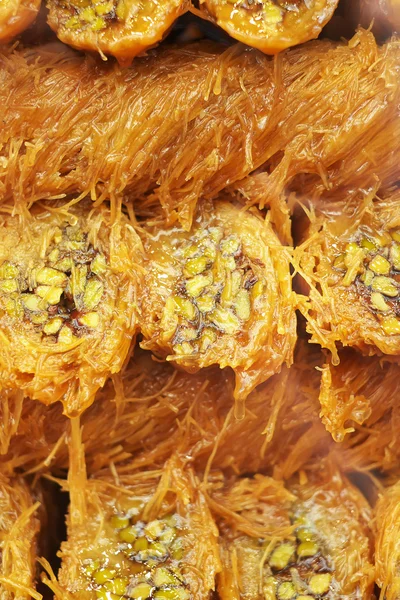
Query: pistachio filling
{"type": "Point", "coordinates": [61, 294]}
{"type": "Point", "coordinates": [372, 265]}
{"type": "Point", "coordinates": [146, 564]}
{"type": "Point", "coordinates": [298, 570]}
{"type": "Point", "coordinates": [93, 15]}
{"type": "Point", "coordinates": [215, 295]}
{"type": "Point", "coordinates": [97, 15]}
{"type": "Point", "coordinates": [268, 11]}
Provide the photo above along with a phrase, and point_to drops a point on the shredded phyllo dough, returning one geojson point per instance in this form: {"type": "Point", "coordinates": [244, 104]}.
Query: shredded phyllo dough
{"type": "Point", "coordinates": [67, 301]}
{"type": "Point", "coordinates": [271, 25]}
{"type": "Point", "coordinates": [145, 535]}
{"type": "Point", "coordinates": [307, 540]}
{"type": "Point", "coordinates": [387, 549]}
{"type": "Point", "coordinates": [220, 294]}
{"type": "Point", "coordinates": [19, 527]}
{"type": "Point", "coordinates": [359, 407]}
{"type": "Point", "coordinates": [352, 264]}
{"type": "Point", "coordinates": [151, 410]}
{"type": "Point", "coordinates": [123, 28]}
{"type": "Point", "coordinates": [200, 300]}
{"type": "Point", "coordinates": [186, 122]}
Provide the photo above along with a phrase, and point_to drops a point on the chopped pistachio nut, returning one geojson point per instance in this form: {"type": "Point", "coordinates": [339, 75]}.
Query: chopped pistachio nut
{"type": "Point", "coordinates": [141, 591]}
{"type": "Point", "coordinates": [385, 285]}
{"type": "Point", "coordinates": [197, 284]}
{"type": "Point", "coordinates": [367, 277]}
{"type": "Point", "coordinates": [39, 318]}
{"type": "Point", "coordinates": [65, 336]}
{"type": "Point", "coordinates": [225, 320]}
{"type": "Point", "coordinates": [391, 326]}
{"type": "Point", "coordinates": [286, 591]}
{"type": "Point", "coordinates": [102, 575]}
{"type": "Point", "coordinates": [184, 307]}
{"type": "Point", "coordinates": [118, 585]}
{"type": "Point", "coordinates": [14, 308]}
{"type": "Point", "coordinates": [99, 265]}
{"type": "Point", "coordinates": [195, 266]}
{"type": "Point", "coordinates": [282, 556]}
{"type": "Point", "coordinates": [368, 244]}
{"type": "Point", "coordinates": [50, 276]}
{"type": "Point", "coordinates": [269, 588]}
{"type": "Point", "coordinates": [93, 293]}
{"type": "Point", "coordinates": [243, 305]}
{"type": "Point", "coordinates": [163, 576]}
{"type": "Point", "coordinates": [50, 294]}
{"type": "Point", "coordinates": [8, 271]}
{"type": "Point", "coordinates": [90, 320]}
{"type": "Point", "coordinates": [119, 522]}
{"type": "Point", "coordinates": [63, 290]}
{"type": "Point", "coordinates": [53, 326]}
{"type": "Point", "coordinates": [128, 534]}
{"type": "Point", "coordinates": [143, 569]}
{"type": "Point", "coordinates": [205, 303]}
{"type": "Point", "coordinates": [9, 286]}
{"type": "Point", "coordinates": [306, 549]}
{"type": "Point", "coordinates": [319, 584]}
{"type": "Point", "coordinates": [378, 302]}
{"type": "Point", "coordinates": [141, 544]}
{"type": "Point", "coordinates": [380, 265]}
{"type": "Point", "coordinates": [395, 256]}
{"type": "Point", "coordinates": [304, 534]}
{"type": "Point", "coordinates": [32, 302]}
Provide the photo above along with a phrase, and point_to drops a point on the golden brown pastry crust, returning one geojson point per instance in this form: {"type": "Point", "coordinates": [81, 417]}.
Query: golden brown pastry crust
{"type": "Point", "coordinates": [387, 519]}
{"type": "Point", "coordinates": [19, 529]}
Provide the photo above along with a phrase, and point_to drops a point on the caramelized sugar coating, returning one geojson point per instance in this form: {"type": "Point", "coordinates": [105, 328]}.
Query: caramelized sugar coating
{"type": "Point", "coordinates": [122, 28]}
{"type": "Point", "coordinates": [15, 16]}
{"type": "Point", "coordinates": [19, 528]}
{"type": "Point", "coordinates": [351, 261]}
{"type": "Point", "coordinates": [185, 122]}
{"type": "Point", "coordinates": [145, 535]}
{"type": "Point", "coordinates": [67, 301]}
{"type": "Point", "coordinates": [303, 540]}
{"type": "Point", "coordinates": [387, 550]}
{"type": "Point", "coordinates": [359, 407]}
{"type": "Point", "coordinates": [220, 294]}
{"type": "Point", "coordinates": [271, 26]}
